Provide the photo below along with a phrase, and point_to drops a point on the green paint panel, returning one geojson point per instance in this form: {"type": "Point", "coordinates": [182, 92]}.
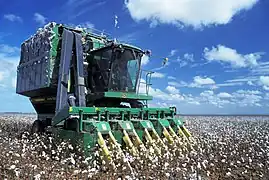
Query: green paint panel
{"type": "Point", "coordinates": [102, 127]}
{"type": "Point", "coordinates": [124, 95]}
{"type": "Point", "coordinates": [118, 134]}
{"type": "Point", "coordinates": [126, 125]}
{"type": "Point", "coordinates": [86, 141]}
{"type": "Point", "coordinates": [175, 122]}
{"type": "Point", "coordinates": [159, 124]}
{"type": "Point", "coordinates": [121, 125]}
{"type": "Point", "coordinates": [94, 110]}
{"type": "Point", "coordinates": [140, 126]}
{"type": "Point", "coordinates": [99, 126]}
{"type": "Point", "coordinates": [118, 127]}
{"type": "Point", "coordinates": [164, 122]}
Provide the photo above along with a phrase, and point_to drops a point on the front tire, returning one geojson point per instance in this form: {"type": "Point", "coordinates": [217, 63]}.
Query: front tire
{"type": "Point", "coordinates": [37, 127]}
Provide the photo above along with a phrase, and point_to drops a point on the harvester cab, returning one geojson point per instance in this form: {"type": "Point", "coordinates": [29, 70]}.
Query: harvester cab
{"type": "Point", "coordinates": [113, 75]}
{"type": "Point", "coordinates": [78, 83]}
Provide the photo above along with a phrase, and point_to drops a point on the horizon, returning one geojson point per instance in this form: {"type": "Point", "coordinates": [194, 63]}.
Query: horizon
{"type": "Point", "coordinates": [14, 113]}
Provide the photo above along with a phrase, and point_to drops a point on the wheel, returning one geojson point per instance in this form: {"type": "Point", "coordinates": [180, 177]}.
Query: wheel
{"type": "Point", "coordinates": [71, 124]}
{"type": "Point", "coordinates": [37, 127]}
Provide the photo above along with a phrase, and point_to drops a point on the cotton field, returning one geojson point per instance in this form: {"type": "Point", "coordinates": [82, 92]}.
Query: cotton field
{"type": "Point", "coordinates": [225, 148]}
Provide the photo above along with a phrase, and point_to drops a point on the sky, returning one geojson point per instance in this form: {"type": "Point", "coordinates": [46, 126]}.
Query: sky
{"type": "Point", "coordinates": [217, 50]}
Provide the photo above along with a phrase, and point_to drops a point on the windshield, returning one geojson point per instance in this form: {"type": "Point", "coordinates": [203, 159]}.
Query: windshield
{"type": "Point", "coordinates": [98, 70]}
{"type": "Point", "coordinates": [125, 71]}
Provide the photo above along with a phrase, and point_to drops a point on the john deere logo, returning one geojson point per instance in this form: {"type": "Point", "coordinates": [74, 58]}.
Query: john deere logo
{"type": "Point", "coordinates": [123, 95]}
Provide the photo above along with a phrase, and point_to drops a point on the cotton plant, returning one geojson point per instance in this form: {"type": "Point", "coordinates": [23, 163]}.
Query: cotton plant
{"type": "Point", "coordinates": [225, 148]}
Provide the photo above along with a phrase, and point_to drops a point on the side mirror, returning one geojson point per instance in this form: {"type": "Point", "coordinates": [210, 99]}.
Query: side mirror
{"type": "Point", "coordinates": [147, 53]}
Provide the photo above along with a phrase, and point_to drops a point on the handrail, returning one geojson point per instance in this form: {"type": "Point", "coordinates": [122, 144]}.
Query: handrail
{"type": "Point", "coordinates": [147, 83]}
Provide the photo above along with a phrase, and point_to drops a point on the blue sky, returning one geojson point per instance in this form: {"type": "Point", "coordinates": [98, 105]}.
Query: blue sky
{"type": "Point", "coordinates": [217, 50]}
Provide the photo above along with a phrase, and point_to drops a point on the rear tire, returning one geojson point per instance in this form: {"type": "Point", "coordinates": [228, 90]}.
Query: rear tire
{"type": "Point", "coordinates": [71, 124]}
{"type": "Point", "coordinates": [37, 127]}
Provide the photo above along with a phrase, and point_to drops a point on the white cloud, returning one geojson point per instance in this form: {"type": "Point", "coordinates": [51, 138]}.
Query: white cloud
{"type": "Point", "coordinates": [182, 63]}
{"type": "Point", "coordinates": [2, 76]}
{"type": "Point", "coordinates": [159, 94]}
{"type": "Point", "coordinates": [250, 83]}
{"type": "Point", "coordinates": [198, 82]}
{"type": "Point", "coordinates": [80, 7]}
{"type": "Point", "coordinates": [247, 98]}
{"type": "Point", "coordinates": [13, 17]}
{"type": "Point", "coordinates": [266, 88]}
{"type": "Point", "coordinates": [232, 102]}
{"type": "Point", "coordinates": [8, 49]}
{"type": "Point", "coordinates": [172, 90]}
{"type": "Point", "coordinates": [203, 81]}
{"type": "Point", "coordinates": [264, 80]}
{"type": "Point", "coordinates": [144, 60]}
{"type": "Point", "coordinates": [128, 38]}
{"type": "Point", "coordinates": [173, 52]}
{"type": "Point", "coordinates": [87, 25]}
{"type": "Point", "coordinates": [187, 13]}
{"type": "Point", "coordinates": [242, 79]}
{"type": "Point", "coordinates": [241, 91]}
{"type": "Point", "coordinates": [266, 96]}
{"type": "Point", "coordinates": [231, 56]}
{"type": "Point", "coordinates": [249, 80]}
{"type": "Point", "coordinates": [171, 77]}
{"type": "Point", "coordinates": [185, 60]}
{"type": "Point", "coordinates": [206, 82]}
{"type": "Point", "coordinates": [9, 58]}
{"type": "Point", "coordinates": [240, 98]}
{"type": "Point", "coordinates": [189, 57]}
{"type": "Point", "coordinates": [172, 83]}
{"type": "Point", "coordinates": [209, 97]}
{"type": "Point", "coordinates": [207, 93]}
{"type": "Point", "coordinates": [3, 35]}
{"type": "Point", "coordinates": [230, 84]}
{"type": "Point", "coordinates": [157, 75]}
{"type": "Point", "coordinates": [224, 95]}
{"type": "Point", "coordinates": [14, 82]}
{"type": "Point", "coordinates": [40, 19]}
{"type": "Point", "coordinates": [262, 69]}
{"type": "Point", "coordinates": [194, 102]}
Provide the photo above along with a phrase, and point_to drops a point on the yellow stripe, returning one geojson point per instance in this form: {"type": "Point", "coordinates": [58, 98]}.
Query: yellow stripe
{"type": "Point", "coordinates": [158, 138]}
{"type": "Point", "coordinates": [113, 138]}
{"type": "Point", "coordinates": [103, 146]}
{"type": "Point", "coordinates": [114, 141]}
{"type": "Point", "coordinates": [182, 134]}
{"type": "Point", "coordinates": [168, 136]}
{"type": "Point", "coordinates": [186, 132]}
{"type": "Point", "coordinates": [70, 109]}
{"type": "Point", "coordinates": [174, 134]}
{"type": "Point", "coordinates": [138, 141]}
{"type": "Point", "coordinates": [129, 143]}
{"type": "Point", "coordinates": [149, 138]}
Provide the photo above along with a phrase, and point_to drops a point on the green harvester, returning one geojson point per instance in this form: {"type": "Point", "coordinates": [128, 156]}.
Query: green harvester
{"type": "Point", "coordinates": [89, 89]}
